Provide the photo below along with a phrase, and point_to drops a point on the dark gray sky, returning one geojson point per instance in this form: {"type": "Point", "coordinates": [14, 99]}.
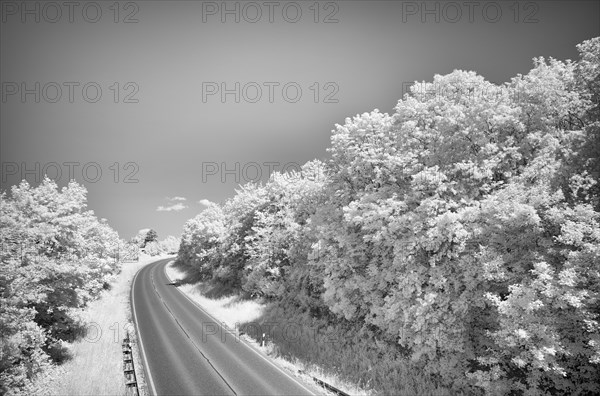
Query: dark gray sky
{"type": "Point", "coordinates": [179, 138]}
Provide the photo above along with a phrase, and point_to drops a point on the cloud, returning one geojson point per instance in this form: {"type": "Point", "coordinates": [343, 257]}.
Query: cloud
{"type": "Point", "coordinates": [204, 202]}
{"type": "Point", "coordinates": [173, 208]}
{"type": "Point", "coordinates": [175, 205]}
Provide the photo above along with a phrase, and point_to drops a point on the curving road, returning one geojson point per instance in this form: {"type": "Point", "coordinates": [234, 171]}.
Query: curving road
{"type": "Point", "coordinates": [186, 352]}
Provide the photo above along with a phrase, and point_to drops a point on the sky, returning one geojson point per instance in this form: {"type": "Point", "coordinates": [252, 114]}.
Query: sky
{"type": "Point", "coordinates": [157, 107]}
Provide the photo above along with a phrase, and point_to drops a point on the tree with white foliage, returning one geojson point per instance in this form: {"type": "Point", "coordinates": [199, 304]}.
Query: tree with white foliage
{"type": "Point", "coordinates": [461, 234]}
{"type": "Point", "coordinates": [56, 256]}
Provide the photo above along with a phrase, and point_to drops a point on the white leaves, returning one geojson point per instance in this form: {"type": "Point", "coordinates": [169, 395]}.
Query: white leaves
{"type": "Point", "coordinates": [523, 334]}
{"type": "Point", "coordinates": [567, 277]}
{"type": "Point", "coordinates": [55, 256]}
{"type": "Point", "coordinates": [463, 223]}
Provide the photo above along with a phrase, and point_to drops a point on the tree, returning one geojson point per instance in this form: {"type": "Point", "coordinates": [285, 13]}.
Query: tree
{"type": "Point", "coordinates": [277, 229]}
{"type": "Point", "coordinates": [201, 238]}
{"type": "Point", "coordinates": [462, 231]}
{"type": "Point", "coordinates": [169, 245]}
{"type": "Point", "coordinates": [153, 248]}
{"type": "Point", "coordinates": [151, 236]}
{"type": "Point", "coordinates": [56, 256]}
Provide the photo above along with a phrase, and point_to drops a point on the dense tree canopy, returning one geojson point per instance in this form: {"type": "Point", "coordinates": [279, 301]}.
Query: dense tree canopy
{"type": "Point", "coordinates": [463, 229]}
{"type": "Point", "coordinates": [55, 256]}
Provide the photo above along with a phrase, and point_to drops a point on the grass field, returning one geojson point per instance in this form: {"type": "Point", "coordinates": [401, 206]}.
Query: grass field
{"type": "Point", "coordinates": [96, 367]}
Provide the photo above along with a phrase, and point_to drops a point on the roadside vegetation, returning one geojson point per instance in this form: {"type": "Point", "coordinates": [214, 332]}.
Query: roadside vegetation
{"type": "Point", "coordinates": [96, 367]}
{"type": "Point", "coordinates": [64, 293]}
{"type": "Point", "coordinates": [56, 257]}
{"type": "Point", "coordinates": [452, 246]}
{"type": "Point", "coordinates": [242, 315]}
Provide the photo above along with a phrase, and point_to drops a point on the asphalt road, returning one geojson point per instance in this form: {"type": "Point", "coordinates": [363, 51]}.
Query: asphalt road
{"type": "Point", "coordinates": [186, 352]}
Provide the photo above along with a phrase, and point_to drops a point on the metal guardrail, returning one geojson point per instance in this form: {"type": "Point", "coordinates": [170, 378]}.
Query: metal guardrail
{"type": "Point", "coordinates": [330, 388]}
{"type": "Point", "coordinates": [131, 386]}
{"type": "Point", "coordinates": [325, 385]}
{"type": "Point", "coordinates": [319, 382]}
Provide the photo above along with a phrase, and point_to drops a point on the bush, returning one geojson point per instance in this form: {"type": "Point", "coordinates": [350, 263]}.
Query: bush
{"type": "Point", "coordinates": [56, 256]}
{"type": "Point", "coordinates": [457, 239]}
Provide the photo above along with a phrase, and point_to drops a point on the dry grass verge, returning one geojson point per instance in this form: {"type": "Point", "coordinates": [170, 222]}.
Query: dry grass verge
{"type": "Point", "coordinates": [96, 366]}
{"type": "Point", "coordinates": [234, 312]}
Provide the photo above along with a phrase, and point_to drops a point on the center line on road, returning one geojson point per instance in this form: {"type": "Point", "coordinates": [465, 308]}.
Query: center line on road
{"type": "Point", "coordinates": [189, 338]}
{"type": "Point", "coordinates": [222, 324]}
